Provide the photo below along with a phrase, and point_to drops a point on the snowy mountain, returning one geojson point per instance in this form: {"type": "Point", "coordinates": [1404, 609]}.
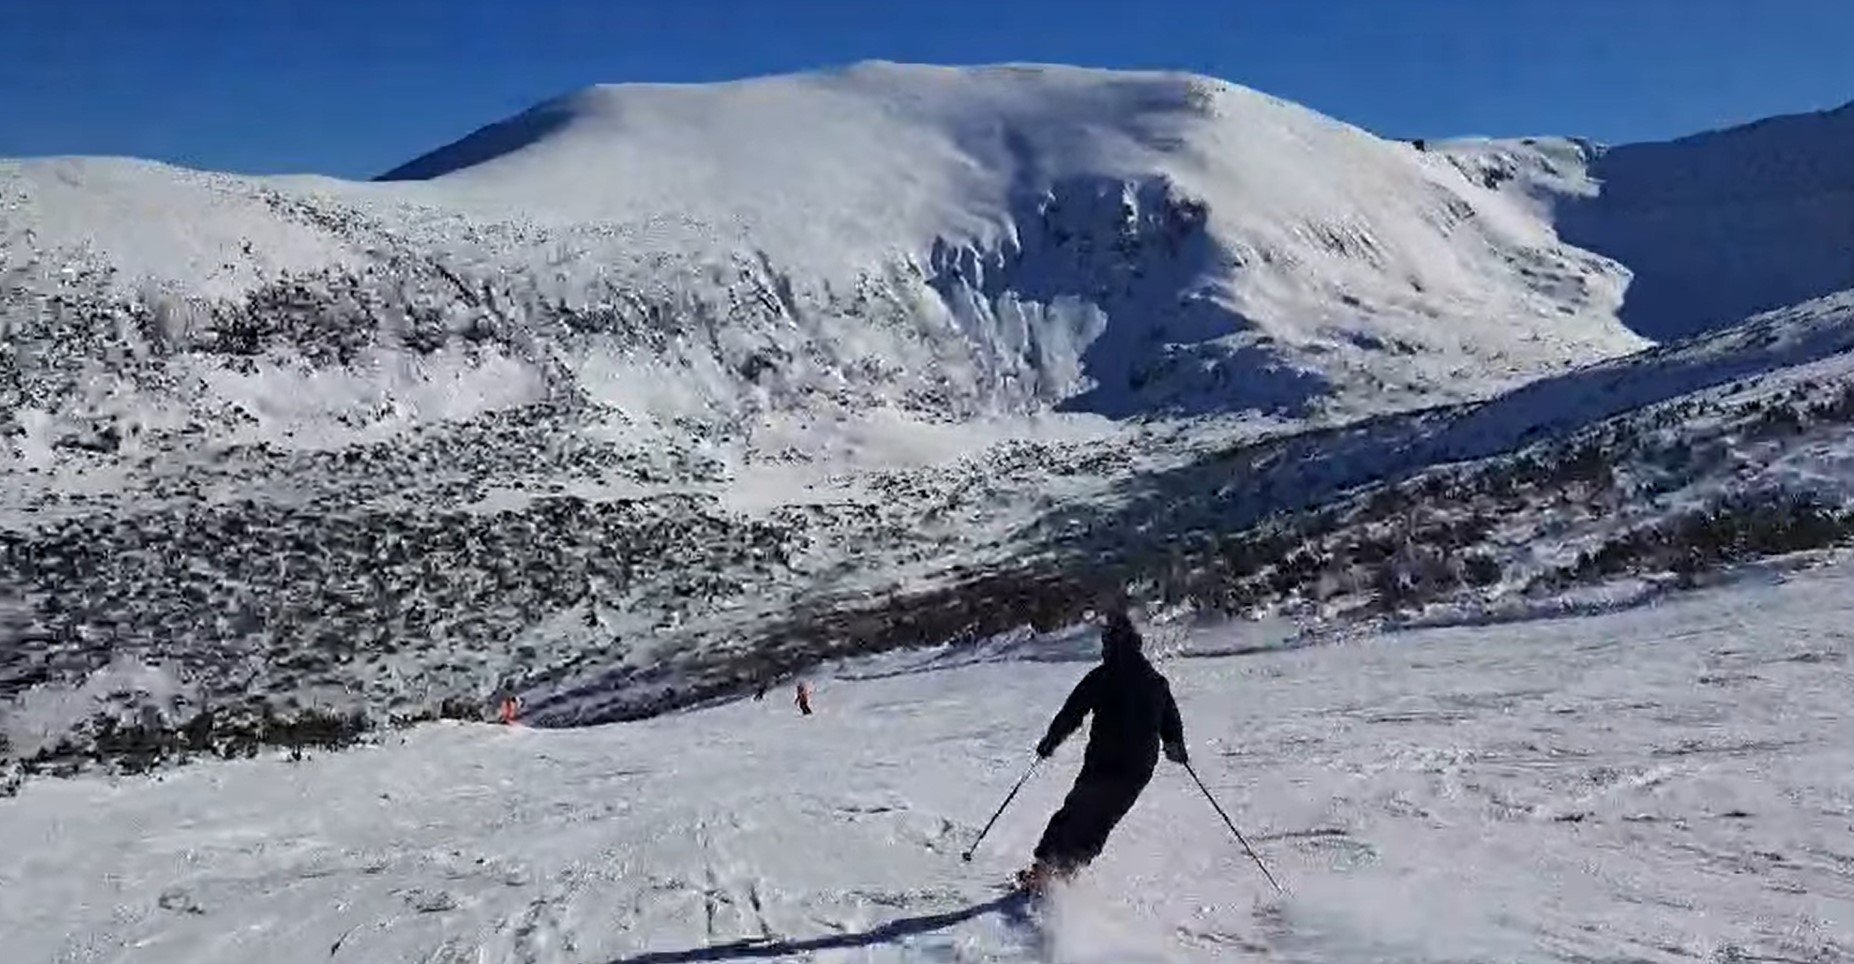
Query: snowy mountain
{"type": "Point", "coordinates": [973, 240]}
{"type": "Point", "coordinates": [1240, 250]}
{"type": "Point", "coordinates": [1714, 227]}
{"type": "Point", "coordinates": [653, 393]}
{"type": "Point", "coordinates": [1721, 225]}
{"type": "Point", "coordinates": [651, 397]}
{"type": "Point", "coordinates": [638, 372]}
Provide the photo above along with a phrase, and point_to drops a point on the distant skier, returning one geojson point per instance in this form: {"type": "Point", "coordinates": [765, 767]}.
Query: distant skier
{"type": "Point", "coordinates": [510, 713]}
{"type": "Point", "coordinates": [804, 698]}
{"type": "Point", "coordinates": [1134, 714]}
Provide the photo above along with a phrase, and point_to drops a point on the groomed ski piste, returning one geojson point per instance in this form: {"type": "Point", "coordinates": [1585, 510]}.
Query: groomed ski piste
{"type": "Point", "coordinates": [1666, 783]}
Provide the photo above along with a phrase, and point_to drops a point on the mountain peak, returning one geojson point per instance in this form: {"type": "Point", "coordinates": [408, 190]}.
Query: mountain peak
{"type": "Point", "coordinates": [1010, 93]}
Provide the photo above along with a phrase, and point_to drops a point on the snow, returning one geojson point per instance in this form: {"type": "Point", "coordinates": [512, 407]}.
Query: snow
{"type": "Point", "coordinates": [1665, 783]}
{"type": "Point", "coordinates": [1718, 426]}
{"type": "Point", "coordinates": [1116, 242]}
{"type": "Point", "coordinates": [884, 320]}
{"type": "Point", "coordinates": [1713, 227]}
{"type": "Point", "coordinates": [880, 319]}
{"type": "Point", "coordinates": [287, 399]}
{"type": "Point", "coordinates": [211, 234]}
{"type": "Point", "coordinates": [1760, 347]}
{"type": "Point", "coordinates": [1725, 224]}
{"type": "Point", "coordinates": [46, 714]}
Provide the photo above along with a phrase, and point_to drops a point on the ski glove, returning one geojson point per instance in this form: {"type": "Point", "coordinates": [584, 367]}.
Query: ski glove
{"type": "Point", "coordinates": [1175, 752]}
{"type": "Point", "coordinates": [1044, 749]}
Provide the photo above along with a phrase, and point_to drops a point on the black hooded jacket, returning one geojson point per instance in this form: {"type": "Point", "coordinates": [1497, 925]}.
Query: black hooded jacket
{"type": "Point", "coordinates": [1132, 706]}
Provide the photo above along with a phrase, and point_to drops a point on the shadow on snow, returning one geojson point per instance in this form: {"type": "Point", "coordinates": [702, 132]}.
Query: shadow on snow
{"type": "Point", "coordinates": [1011, 905]}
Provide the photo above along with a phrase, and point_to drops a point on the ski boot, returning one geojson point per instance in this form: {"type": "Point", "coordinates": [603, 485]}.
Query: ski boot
{"type": "Point", "coordinates": [1037, 879]}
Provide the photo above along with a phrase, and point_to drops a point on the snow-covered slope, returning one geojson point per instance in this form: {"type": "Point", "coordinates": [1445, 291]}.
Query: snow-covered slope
{"type": "Point", "coordinates": [651, 392]}
{"type": "Point", "coordinates": [1200, 217]}
{"type": "Point", "coordinates": [960, 239]}
{"type": "Point", "coordinates": [1713, 228]}
{"type": "Point", "coordinates": [1720, 225]}
{"type": "Point", "coordinates": [620, 386]}
{"type": "Point", "coordinates": [1663, 466]}
{"type": "Point", "coordinates": [1666, 784]}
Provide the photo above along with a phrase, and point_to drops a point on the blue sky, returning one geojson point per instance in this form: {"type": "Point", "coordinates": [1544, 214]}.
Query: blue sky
{"type": "Point", "coordinates": [354, 87]}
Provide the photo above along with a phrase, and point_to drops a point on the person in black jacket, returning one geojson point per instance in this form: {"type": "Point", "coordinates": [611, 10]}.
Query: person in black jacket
{"type": "Point", "coordinates": [1134, 715]}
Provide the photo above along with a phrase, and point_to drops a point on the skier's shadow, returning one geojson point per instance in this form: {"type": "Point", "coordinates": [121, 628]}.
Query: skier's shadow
{"type": "Point", "coordinates": [1013, 906]}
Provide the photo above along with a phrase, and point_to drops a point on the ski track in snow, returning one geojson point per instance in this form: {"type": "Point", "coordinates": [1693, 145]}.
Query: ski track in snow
{"type": "Point", "coordinates": [1670, 783]}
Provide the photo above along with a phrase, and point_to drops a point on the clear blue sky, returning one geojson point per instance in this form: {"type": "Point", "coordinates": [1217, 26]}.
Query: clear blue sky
{"type": "Point", "coordinates": [354, 87]}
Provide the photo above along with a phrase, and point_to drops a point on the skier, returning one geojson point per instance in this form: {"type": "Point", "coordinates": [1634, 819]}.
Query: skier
{"type": "Point", "coordinates": [1134, 714]}
{"type": "Point", "coordinates": [804, 698]}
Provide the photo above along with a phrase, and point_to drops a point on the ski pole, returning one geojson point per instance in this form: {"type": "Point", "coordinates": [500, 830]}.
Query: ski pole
{"type": "Point", "coordinates": [967, 856]}
{"type": "Point", "coordinates": [1232, 825]}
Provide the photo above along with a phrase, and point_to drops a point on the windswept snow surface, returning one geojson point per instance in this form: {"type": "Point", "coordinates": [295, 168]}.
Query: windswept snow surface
{"type": "Point", "coordinates": [1672, 783]}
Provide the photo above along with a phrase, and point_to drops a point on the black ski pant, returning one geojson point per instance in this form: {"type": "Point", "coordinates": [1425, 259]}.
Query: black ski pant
{"type": "Point", "coordinates": [1096, 803]}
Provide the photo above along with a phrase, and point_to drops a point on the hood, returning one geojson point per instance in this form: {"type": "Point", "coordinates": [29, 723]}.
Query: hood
{"type": "Point", "coordinates": [1119, 640]}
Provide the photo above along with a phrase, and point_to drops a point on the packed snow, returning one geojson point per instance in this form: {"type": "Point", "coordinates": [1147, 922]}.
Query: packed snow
{"type": "Point", "coordinates": [1669, 783]}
